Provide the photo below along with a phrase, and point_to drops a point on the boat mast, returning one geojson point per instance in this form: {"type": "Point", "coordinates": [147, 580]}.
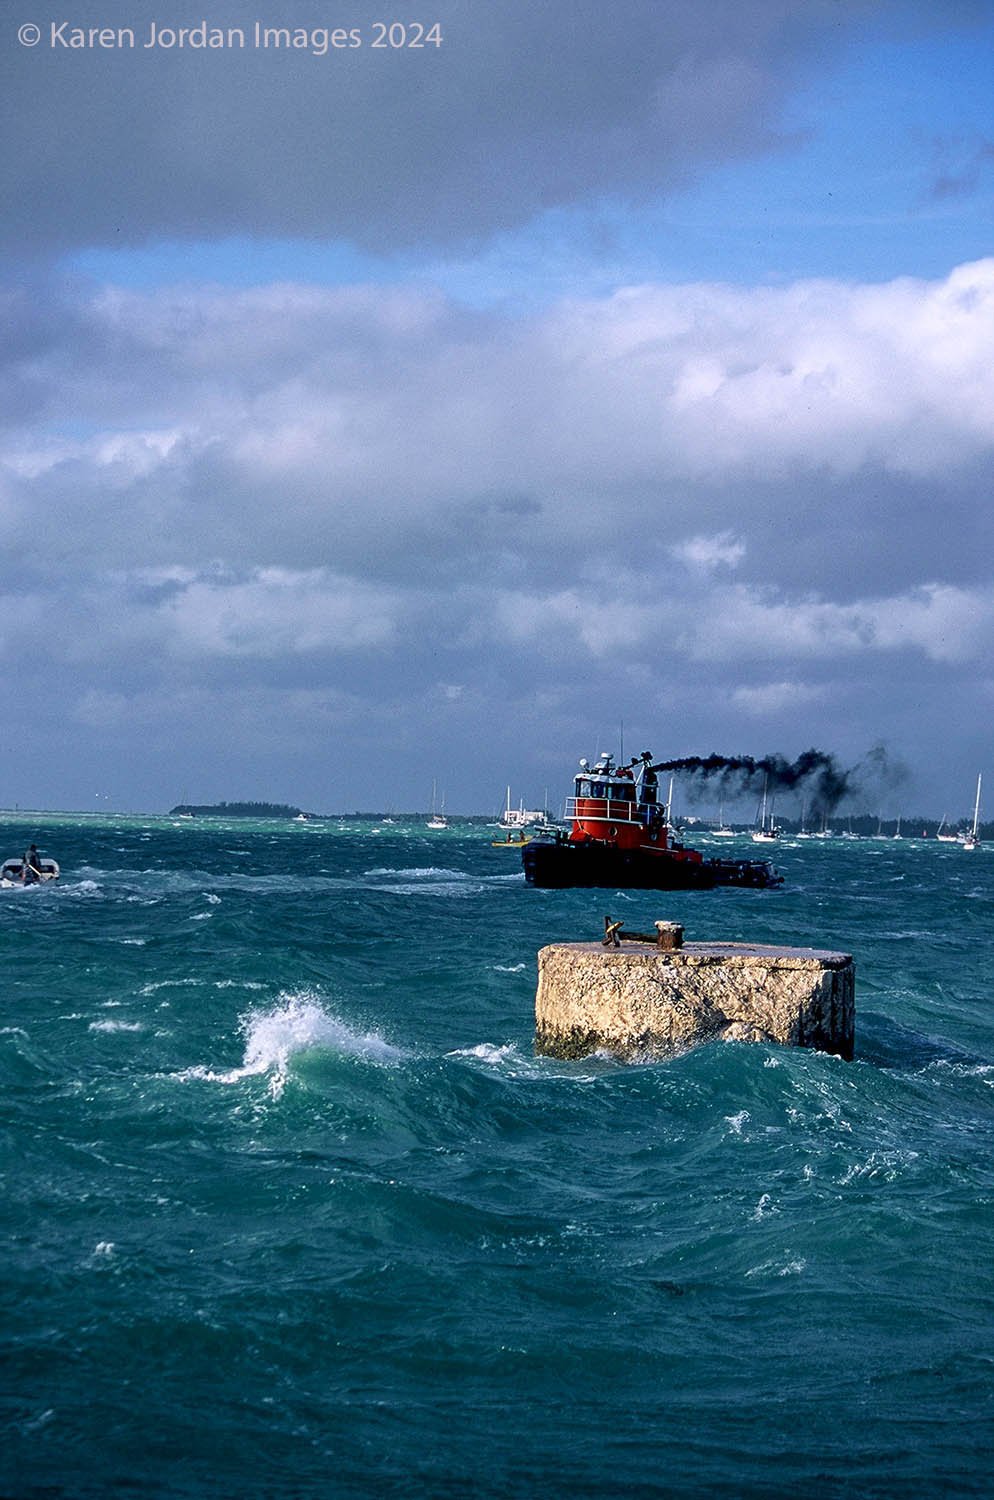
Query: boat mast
{"type": "Point", "coordinates": [976, 806]}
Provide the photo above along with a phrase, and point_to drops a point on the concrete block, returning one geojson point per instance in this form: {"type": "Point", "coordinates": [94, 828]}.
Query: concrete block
{"type": "Point", "coordinates": [640, 1001]}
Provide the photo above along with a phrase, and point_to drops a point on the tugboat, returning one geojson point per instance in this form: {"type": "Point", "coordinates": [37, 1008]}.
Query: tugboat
{"type": "Point", "coordinates": [620, 837]}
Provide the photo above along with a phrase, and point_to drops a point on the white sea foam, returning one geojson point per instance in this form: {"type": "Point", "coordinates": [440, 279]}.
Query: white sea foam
{"type": "Point", "coordinates": [115, 1026]}
{"type": "Point", "coordinates": [298, 1023]}
{"type": "Point", "coordinates": [34, 1424]}
{"type": "Point", "coordinates": [165, 984]}
{"type": "Point", "coordinates": [506, 1058]}
{"type": "Point", "coordinates": [424, 880]}
{"type": "Point", "coordinates": [489, 1052]}
{"type": "Point", "coordinates": [885, 1166]}
{"type": "Point", "coordinates": [779, 1268]}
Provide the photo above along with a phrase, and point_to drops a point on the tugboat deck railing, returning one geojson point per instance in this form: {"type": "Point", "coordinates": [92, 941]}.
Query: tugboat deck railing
{"type": "Point", "coordinates": [602, 810]}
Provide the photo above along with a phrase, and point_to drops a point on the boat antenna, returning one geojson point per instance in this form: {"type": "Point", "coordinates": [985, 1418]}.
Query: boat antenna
{"type": "Point", "coordinates": [621, 747]}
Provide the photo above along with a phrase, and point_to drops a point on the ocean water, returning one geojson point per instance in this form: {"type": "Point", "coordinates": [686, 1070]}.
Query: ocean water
{"type": "Point", "coordinates": [290, 1208]}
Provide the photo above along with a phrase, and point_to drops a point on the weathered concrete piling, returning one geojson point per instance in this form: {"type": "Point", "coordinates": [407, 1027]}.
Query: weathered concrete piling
{"type": "Point", "coordinates": [658, 994]}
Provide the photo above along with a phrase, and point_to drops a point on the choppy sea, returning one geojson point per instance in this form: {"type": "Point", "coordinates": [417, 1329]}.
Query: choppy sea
{"type": "Point", "coordinates": [290, 1207]}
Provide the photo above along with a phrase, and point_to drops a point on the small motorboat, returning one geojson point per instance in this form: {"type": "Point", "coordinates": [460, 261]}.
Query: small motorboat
{"type": "Point", "coordinates": [14, 872]}
{"type": "Point", "coordinates": [514, 839]}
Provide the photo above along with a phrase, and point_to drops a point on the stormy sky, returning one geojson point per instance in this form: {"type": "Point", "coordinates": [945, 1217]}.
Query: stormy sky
{"type": "Point", "coordinates": [380, 415]}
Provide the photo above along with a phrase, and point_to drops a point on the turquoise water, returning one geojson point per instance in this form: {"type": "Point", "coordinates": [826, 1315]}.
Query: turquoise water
{"type": "Point", "coordinates": [291, 1209]}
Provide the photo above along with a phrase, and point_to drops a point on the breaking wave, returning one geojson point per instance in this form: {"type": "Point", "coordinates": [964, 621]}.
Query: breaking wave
{"type": "Point", "coordinates": [298, 1023]}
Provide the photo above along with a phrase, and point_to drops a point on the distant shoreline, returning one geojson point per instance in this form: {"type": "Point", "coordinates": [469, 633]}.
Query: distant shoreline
{"type": "Point", "coordinates": [865, 827]}
{"type": "Point", "coordinates": [220, 810]}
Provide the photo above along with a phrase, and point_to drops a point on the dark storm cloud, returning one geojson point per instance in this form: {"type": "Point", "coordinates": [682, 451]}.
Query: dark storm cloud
{"type": "Point", "coordinates": [523, 106]}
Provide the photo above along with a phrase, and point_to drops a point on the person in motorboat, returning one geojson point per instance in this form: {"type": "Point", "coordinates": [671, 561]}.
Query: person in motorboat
{"type": "Point", "coordinates": [31, 866]}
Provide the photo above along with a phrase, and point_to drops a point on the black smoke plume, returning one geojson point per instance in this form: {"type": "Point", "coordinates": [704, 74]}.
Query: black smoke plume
{"type": "Point", "coordinates": [815, 775]}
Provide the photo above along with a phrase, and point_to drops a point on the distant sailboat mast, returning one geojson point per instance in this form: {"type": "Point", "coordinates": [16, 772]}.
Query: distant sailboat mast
{"type": "Point", "coordinates": [438, 818]}
{"type": "Point", "coordinates": [971, 840]}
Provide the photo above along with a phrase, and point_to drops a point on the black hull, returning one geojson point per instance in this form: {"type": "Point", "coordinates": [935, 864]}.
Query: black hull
{"type": "Point", "coordinates": [564, 865]}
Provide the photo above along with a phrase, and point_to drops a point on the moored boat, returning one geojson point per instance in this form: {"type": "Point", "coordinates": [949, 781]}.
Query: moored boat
{"type": "Point", "coordinates": [620, 836]}
{"type": "Point", "coordinates": [766, 830]}
{"type": "Point", "coordinates": [515, 819]}
{"type": "Point", "coordinates": [971, 839]}
{"type": "Point", "coordinates": [721, 829]}
{"type": "Point", "coordinates": [438, 819]}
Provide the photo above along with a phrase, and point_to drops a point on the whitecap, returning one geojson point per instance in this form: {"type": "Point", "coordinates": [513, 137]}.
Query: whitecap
{"type": "Point", "coordinates": [775, 1268]}
{"type": "Point", "coordinates": [298, 1023]}
{"type": "Point", "coordinates": [34, 1424]}
{"type": "Point", "coordinates": [507, 1057]}
{"type": "Point", "coordinates": [885, 1166]}
{"type": "Point", "coordinates": [165, 984]}
{"type": "Point", "coordinates": [489, 1052]}
{"type": "Point", "coordinates": [115, 1026]}
{"type": "Point", "coordinates": [509, 968]}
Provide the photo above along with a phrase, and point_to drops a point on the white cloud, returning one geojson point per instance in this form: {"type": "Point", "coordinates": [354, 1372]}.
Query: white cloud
{"type": "Point", "coordinates": [773, 698]}
{"type": "Point", "coordinates": [278, 611]}
{"type": "Point", "coordinates": [708, 554]}
{"type": "Point", "coordinates": [684, 493]}
{"type": "Point", "coordinates": [290, 419]}
{"type": "Point", "coordinates": [944, 624]}
{"type": "Point", "coordinates": [724, 622]}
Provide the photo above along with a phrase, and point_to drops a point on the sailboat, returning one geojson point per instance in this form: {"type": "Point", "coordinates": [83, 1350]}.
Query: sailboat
{"type": "Point", "coordinates": [971, 840]}
{"type": "Point", "coordinates": [517, 818]}
{"type": "Point", "coordinates": [722, 831]}
{"type": "Point", "coordinates": [438, 818]}
{"type": "Point", "coordinates": [946, 838]}
{"type": "Point", "coordinates": [824, 832]}
{"type": "Point", "coordinates": [767, 832]}
{"type": "Point", "coordinates": [802, 832]}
